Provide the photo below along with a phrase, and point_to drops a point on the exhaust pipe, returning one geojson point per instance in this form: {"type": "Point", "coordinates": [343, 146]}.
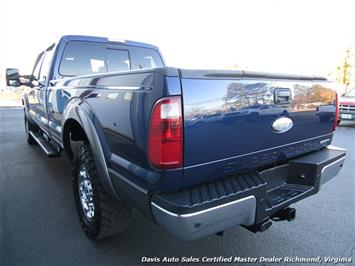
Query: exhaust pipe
{"type": "Point", "coordinates": [259, 227]}
{"type": "Point", "coordinates": [285, 214]}
{"type": "Point", "coordinates": [265, 225]}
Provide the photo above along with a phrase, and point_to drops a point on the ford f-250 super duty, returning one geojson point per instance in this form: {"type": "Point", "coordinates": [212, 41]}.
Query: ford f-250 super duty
{"type": "Point", "coordinates": [196, 151]}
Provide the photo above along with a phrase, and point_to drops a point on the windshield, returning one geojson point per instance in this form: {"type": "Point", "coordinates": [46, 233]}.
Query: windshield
{"type": "Point", "coordinates": [351, 93]}
{"type": "Point", "coordinates": [82, 58]}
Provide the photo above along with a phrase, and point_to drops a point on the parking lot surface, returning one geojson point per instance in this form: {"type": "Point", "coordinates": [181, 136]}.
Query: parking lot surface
{"type": "Point", "coordinates": [39, 225]}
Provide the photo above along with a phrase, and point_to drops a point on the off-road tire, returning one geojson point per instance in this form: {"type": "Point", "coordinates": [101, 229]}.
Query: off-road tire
{"type": "Point", "coordinates": [111, 216]}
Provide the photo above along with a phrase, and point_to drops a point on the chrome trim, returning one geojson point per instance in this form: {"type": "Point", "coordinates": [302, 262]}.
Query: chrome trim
{"type": "Point", "coordinates": [198, 224]}
{"type": "Point", "coordinates": [86, 193]}
{"type": "Point", "coordinates": [122, 87]}
{"type": "Point", "coordinates": [39, 118]}
{"type": "Point", "coordinates": [282, 124]}
{"type": "Point", "coordinates": [203, 211]}
{"type": "Point", "coordinates": [31, 112]}
{"type": "Point", "coordinates": [54, 126]}
{"type": "Point", "coordinates": [347, 107]}
{"type": "Point", "coordinates": [133, 88]}
{"type": "Point", "coordinates": [39, 142]}
{"type": "Point", "coordinates": [331, 170]}
{"type": "Point", "coordinates": [43, 119]}
{"type": "Point", "coordinates": [331, 147]}
{"type": "Point", "coordinates": [325, 141]}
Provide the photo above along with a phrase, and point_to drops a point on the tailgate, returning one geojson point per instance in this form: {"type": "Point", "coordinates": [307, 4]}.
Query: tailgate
{"type": "Point", "coordinates": [232, 121]}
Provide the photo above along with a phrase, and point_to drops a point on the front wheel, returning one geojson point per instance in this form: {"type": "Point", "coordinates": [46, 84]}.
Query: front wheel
{"type": "Point", "coordinates": [100, 215]}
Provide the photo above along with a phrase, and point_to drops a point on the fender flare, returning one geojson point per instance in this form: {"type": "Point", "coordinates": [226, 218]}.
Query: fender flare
{"type": "Point", "coordinates": [76, 112]}
{"type": "Point", "coordinates": [26, 107]}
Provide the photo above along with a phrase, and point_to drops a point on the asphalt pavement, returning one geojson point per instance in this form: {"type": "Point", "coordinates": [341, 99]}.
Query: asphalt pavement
{"type": "Point", "coordinates": [39, 224]}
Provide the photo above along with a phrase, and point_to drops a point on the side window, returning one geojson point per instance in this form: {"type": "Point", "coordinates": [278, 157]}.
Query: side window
{"type": "Point", "coordinates": [46, 65]}
{"type": "Point", "coordinates": [37, 67]}
{"type": "Point", "coordinates": [117, 60]}
{"type": "Point", "coordinates": [81, 58]}
{"type": "Point", "coordinates": [145, 58]}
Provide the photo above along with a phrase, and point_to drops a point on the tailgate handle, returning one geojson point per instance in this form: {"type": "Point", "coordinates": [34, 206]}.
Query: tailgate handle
{"type": "Point", "coordinates": [282, 96]}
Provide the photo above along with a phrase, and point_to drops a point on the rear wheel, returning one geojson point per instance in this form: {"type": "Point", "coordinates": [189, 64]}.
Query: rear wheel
{"type": "Point", "coordinates": [100, 215]}
{"type": "Point", "coordinates": [29, 126]}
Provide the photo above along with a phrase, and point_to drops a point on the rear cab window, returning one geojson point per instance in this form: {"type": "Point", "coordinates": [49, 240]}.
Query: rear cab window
{"type": "Point", "coordinates": [83, 58]}
{"type": "Point", "coordinates": [117, 60]}
{"type": "Point", "coordinates": [145, 58]}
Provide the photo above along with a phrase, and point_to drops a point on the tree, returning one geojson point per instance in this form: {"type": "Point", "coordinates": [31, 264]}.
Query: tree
{"type": "Point", "coordinates": [344, 71]}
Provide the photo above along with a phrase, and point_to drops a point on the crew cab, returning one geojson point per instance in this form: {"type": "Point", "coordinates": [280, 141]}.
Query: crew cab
{"type": "Point", "coordinates": [196, 151]}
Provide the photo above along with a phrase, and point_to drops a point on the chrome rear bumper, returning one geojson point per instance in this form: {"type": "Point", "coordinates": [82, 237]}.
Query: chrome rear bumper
{"type": "Point", "coordinates": [210, 208]}
{"type": "Point", "coordinates": [198, 224]}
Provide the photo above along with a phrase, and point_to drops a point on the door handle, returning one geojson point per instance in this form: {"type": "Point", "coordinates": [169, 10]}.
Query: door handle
{"type": "Point", "coordinates": [282, 96]}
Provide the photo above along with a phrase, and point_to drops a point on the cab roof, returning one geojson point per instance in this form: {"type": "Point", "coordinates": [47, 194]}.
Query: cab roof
{"type": "Point", "coordinates": [67, 38]}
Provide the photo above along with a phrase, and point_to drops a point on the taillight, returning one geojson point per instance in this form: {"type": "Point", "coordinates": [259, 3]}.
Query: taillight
{"type": "Point", "coordinates": [165, 134]}
{"type": "Point", "coordinates": [336, 112]}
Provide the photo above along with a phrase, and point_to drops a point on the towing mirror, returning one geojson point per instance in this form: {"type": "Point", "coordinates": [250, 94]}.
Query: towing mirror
{"type": "Point", "coordinates": [12, 77]}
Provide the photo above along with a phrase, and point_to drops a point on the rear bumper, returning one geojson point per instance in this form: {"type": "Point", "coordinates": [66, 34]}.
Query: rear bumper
{"type": "Point", "coordinates": [247, 199]}
{"type": "Point", "coordinates": [194, 225]}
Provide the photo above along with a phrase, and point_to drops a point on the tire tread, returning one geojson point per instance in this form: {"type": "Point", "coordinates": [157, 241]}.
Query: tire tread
{"type": "Point", "coordinates": [111, 216]}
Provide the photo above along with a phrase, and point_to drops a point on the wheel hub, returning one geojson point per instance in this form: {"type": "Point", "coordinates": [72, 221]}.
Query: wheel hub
{"type": "Point", "coordinates": [86, 194]}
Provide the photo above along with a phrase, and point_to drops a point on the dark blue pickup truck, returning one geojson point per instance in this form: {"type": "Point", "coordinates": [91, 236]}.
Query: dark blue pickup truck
{"type": "Point", "coordinates": [196, 151]}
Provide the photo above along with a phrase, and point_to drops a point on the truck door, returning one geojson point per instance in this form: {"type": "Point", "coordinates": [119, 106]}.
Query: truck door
{"type": "Point", "coordinates": [40, 81]}
{"type": "Point", "coordinates": [36, 95]}
{"type": "Point", "coordinates": [46, 76]}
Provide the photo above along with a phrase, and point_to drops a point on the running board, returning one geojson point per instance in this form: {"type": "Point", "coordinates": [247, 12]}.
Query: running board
{"type": "Point", "coordinates": [46, 146]}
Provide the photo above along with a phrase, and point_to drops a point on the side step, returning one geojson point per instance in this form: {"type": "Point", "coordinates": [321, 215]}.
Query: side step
{"type": "Point", "coordinates": [46, 146]}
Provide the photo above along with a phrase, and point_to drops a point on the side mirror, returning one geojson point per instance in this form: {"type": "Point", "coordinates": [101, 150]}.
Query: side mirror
{"type": "Point", "coordinates": [34, 83]}
{"type": "Point", "coordinates": [43, 82]}
{"type": "Point", "coordinates": [12, 77]}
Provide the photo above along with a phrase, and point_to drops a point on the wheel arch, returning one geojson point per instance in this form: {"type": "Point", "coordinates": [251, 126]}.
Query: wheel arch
{"type": "Point", "coordinates": [26, 107]}
{"type": "Point", "coordinates": [78, 126]}
{"type": "Point", "coordinates": [72, 130]}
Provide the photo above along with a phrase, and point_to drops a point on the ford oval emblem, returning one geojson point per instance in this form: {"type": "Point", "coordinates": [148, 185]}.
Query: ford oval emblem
{"type": "Point", "coordinates": [282, 124]}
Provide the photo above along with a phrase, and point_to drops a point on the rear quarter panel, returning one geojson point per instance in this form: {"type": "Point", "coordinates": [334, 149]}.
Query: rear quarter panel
{"type": "Point", "coordinates": [119, 105]}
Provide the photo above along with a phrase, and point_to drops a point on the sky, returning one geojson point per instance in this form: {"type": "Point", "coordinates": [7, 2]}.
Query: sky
{"type": "Point", "coordinates": [306, 37]}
